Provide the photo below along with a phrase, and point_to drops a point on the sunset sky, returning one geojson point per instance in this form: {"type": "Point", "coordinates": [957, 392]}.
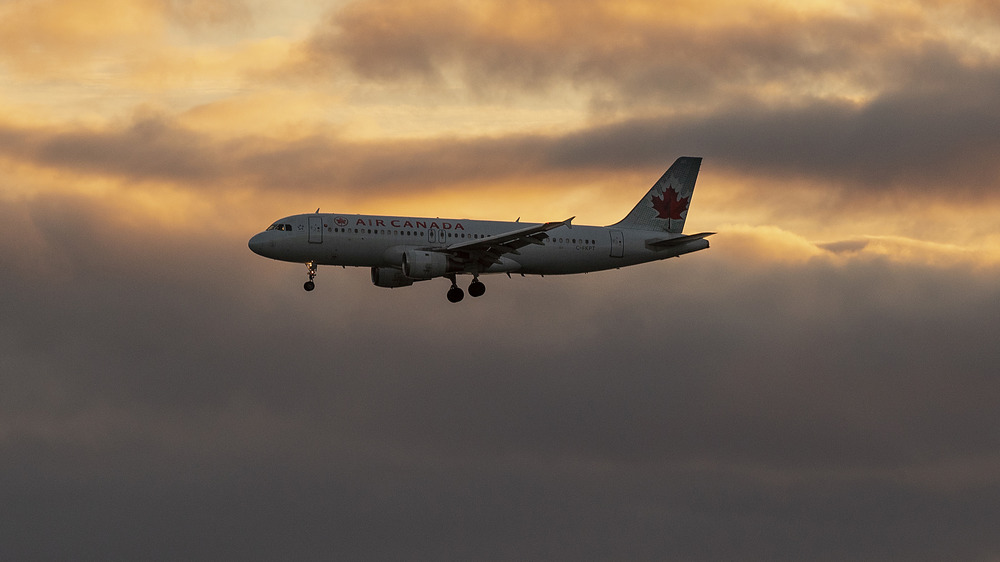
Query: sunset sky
{"type": "Point", "coordinates": [822, 384]}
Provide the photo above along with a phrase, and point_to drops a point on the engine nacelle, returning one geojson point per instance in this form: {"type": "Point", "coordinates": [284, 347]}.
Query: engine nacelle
{"type": "Point", "coordinates": [422, 264]}
{"type": "Point", "coordinates": [389, 277]}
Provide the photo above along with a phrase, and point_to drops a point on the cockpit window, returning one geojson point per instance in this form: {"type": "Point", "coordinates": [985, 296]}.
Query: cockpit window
{"type": "Point", "coordinates": [276, 226]}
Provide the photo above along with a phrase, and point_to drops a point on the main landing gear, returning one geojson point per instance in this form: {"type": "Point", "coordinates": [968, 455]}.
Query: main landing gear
{"type": "Point", "coordinates": [456, 294]}
{"type": "Point", "coordinates": [309, 285]}
{"type": "Point", "coordinates": [476, 288]}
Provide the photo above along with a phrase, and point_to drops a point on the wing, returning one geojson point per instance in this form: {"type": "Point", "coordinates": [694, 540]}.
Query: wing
{"type": "Point", "coordinates": [488, 250]}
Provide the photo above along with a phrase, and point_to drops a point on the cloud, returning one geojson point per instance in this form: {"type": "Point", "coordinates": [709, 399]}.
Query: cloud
{"type": "Point", "coordinates": [845, 246]}
{"type": "Point", "coordinates": [40, 37]}
{"type": "Point", "coordinates": [159, 381]}
{"type": "Point", "coordinates": [921, 117]}
{"type": "Point", "coordinates": [177, 171]}
{"type": "Point", "coordinates": [912, 143]}
{"type": "Point", "coordinates": [883, 98]}
{"type": "Point", "coordinates": [891, 150]}
{"type": "Point", "coordinates": [622, 54]}
{"type": "Point", "coordinates": [821, 383]}
{"type": "Point", "coordinates": [198, 13]}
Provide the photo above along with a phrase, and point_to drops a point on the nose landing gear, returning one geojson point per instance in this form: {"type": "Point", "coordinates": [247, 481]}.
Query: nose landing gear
{"type": "Point", "coordinates": [309, 285]}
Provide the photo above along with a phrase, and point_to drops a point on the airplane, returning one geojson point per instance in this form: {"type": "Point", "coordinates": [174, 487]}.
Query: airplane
{"type": "Point", "coordinates": [403, 250]}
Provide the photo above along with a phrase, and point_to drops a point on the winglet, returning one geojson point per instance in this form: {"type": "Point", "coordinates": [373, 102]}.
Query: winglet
{"type": "Point", "coordinates": [556, 224]}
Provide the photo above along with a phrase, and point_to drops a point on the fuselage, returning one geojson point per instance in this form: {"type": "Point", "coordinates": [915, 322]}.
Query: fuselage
{"type": "Point", "coordinates": [403, 250]}
{"type": "Point", "coordinates": [380, 241]}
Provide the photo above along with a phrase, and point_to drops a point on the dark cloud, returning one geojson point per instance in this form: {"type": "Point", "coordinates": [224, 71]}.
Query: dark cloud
{"type": "Point", "coordinates": [147, 147]}
{"type": "Point", "coordinates": [915, 142]}
{"type": "Point", "coordinates": [178, 397]}
{"type": "Point", "coordinates": [907, 142]}
{"type": "Point", "coordinates": [845, 246]}
{"type": "Point", "coordinates": [156, 148]}
{"type": "Point", "coordinates": [886, 101]}
{"type": "Point", "coordinates": [167, 394]}
{"type": "Point", "coordinates": [622, 58]}
{"type": "Point", "coordinates": [927, 123]}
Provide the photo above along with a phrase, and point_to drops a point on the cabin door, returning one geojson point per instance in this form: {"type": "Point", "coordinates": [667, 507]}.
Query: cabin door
{"type": "Point", "coordinates": [617, 244]}
{"type": "Point", "coordinates": [315, 230]}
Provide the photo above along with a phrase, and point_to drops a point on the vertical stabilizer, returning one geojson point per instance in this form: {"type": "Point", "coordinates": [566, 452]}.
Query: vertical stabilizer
{"type": "Point", "coordinates": [664, 208]}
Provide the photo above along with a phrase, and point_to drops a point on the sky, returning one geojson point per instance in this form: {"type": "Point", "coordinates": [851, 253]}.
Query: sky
{"type": "Point", "coordinates": [822, 384]}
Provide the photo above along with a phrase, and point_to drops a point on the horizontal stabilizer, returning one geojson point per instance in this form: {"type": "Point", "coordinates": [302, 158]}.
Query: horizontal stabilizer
{"type": "Point", "coordinates": [676, 241]}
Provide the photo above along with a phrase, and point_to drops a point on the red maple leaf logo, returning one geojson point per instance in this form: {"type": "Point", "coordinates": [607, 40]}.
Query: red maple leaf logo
{"type": "Point", "coordinates": [668, 206]}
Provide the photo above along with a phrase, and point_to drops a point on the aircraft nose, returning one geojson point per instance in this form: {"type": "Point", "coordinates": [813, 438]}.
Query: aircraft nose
{"type": "Point", "coordinates": [256, 244]}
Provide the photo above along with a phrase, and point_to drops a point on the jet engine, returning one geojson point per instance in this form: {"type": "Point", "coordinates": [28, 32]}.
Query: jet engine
{"type": "Point", "coordinates": [389, 277]}
{"type": "Point", "coordinates": [421, 264]}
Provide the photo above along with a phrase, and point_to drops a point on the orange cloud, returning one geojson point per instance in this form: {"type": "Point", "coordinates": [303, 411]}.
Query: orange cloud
{"type": "Point", "coordinates": [39, 37]}
{"type": "Point", "coordinates": [693, 54]}
{"type": "Point", "coordinates": [850, 121]}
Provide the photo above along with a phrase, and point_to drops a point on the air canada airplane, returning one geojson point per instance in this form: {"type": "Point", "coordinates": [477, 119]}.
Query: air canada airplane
{"type": "Point", "coordinates": [402, 250]}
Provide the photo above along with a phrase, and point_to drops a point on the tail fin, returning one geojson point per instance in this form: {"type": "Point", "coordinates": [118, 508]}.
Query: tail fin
{"type": "Point", "coordinates": [665, 207]}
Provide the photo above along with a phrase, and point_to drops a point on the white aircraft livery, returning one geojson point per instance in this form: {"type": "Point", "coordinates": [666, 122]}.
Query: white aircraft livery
{"type": "Point", "coordinates": [402, 250]}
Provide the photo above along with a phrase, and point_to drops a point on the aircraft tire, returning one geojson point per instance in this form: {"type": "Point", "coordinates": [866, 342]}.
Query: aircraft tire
{"type": "Point", "coordinates": [477, 289]}
{"type": "Point", "coordinates": [309, 285]}
{"type": "Point", "coordinates": [455, 294]}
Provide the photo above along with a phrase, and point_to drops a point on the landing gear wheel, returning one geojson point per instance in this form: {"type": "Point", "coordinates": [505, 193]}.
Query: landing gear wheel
{"type": "Point", "coordinates": [309, 285]}
{"type": "Point", "coordinates": [476, 288]}
{"type": "Point", "coordinates": [455, 294]}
